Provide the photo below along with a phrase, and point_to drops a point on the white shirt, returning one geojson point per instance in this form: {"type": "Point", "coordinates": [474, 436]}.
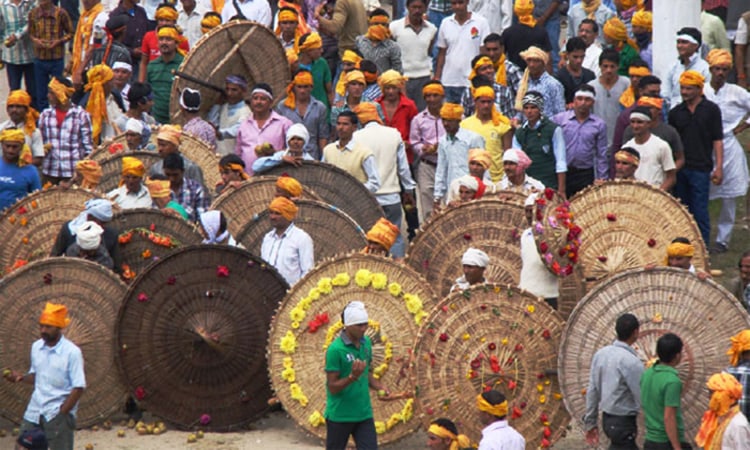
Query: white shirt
{"type": "Point", "coordinates": [415, 47]}
{"type": "Point", "coordinates": [740, 37]}
{"type": "Point", "coordinates": [462, 43]}
{"type": "Point", "coordinates": [530, 184]}
{"type": "Point", "coordinates": [501, 436]}
{"type": "Point", "coordinates": [656, 159]}
{"type": "Point", "coordinates": [670, 88]}
{"type": "Point", "coordinates": [256, 10]}
{"type": "Point", "coordinates": [130, 200]}
{"type": "Point", "coordinates": [591, 58]}
{"type": "Point", "coordinates": [291, 253]}
{"type": "Point", "coordinates": [191, 24]}
{"type": "Point", "coordinates": [737, 434]}
{"type": "Point", "coordinates": [535, 277]}
{"type": "Point", "coordinates": [34, 141]}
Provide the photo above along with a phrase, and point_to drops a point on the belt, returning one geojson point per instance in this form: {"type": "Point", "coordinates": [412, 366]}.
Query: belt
{"type": "Point", "coordinates": [428, 162]}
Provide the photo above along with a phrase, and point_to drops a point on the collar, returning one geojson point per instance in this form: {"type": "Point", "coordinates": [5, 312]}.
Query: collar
{"type": "Point", "coordinates": [537, 125]}
{"type": "Point", "coordinates": [349, 146]}
{"type": "Point", "coordinates": [496, 425]}
{"type": "Point", "coordinates": [623, 345]}
{"type": "Point", "coordinates": [57, 348]}
{"type": "Point", "coordinates": [691, 60]}
{"type": "Point", "coordinates": [664, 368]}
{"type": "Point", "coordinates": [408, 24]}
{"type": "Point", "coordinates": [143, 191]}
{"type": "Point", "coordinates": [371, 124]}
{"type": "Point", "coordinates": [285, 233]}
{"type": "Point", "coordinates": [426, 113]}
{"type": "Point", "coordinates": [347, 341]}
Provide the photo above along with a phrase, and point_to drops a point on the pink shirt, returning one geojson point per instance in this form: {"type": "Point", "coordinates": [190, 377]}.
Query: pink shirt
{"type": "Point", "coordinates": [425, 129]}
{"type": "Point", "coordinates": [250, 136]}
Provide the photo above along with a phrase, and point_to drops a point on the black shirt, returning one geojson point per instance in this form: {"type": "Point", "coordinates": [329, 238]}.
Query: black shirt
{"type": "Point", "coordinates": [519, 37]}
{"type": "Point", "coordinates": [698, 131]}
{"type": "Point", "coordinates": [109, 238]}
{"type": "Point", "coordinates": [571, 83]}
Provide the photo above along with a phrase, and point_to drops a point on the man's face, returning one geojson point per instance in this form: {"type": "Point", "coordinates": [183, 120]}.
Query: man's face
{"type": "Point", "coordinates": [345, 128]}
{"type": "Point", "coordinates": [287, 27]}
{"type": "Point", "coordinates": [133, 139]}
{"type": "Point", "coordinates": [583, 104]}
{"type": "Point", "coordinates": [640, 127]}
{"type": "Point", "coordinates": [608, 69]}
{"type": "Point", "coordinates": [164, 23]}
{"type": "Point", "coordinates": [416, 11]}
{"type": "Point", "coordinates": [681, 262]}
{"type": "Point", "coordinates": [575, 59]}
{"type": "Point", "coordinates": [473, 274]}
{"type": "Point", "coordinates": [624, 170]}
{"type": "Point", "coordinates": [132, 183]}
{"type": "Point", "coordinates": [483, 105]}
{"type": "Point", "coordinates": [391, 93]}
{"type": "Point", "coordinates": [634, 79]}
{"type": "Point", "coordinates": [357, 331]}
{"type": "Point", "coordinates": [121, 77]}
{"type": "Point", "coordinates": [510, 167]}
{"type": "Point", "coordinates": [296, 145]}
{"type": "Point", "coordinates": [651, 90]}
{"type": "Point", "coordinates": [451, 126]}
{"type": "Point", "coordinates": [174, 176]}
{"type": "Point", "coordinates": [487, 70]}
{"type": "Point", "coordinates": [466, 194]}
{"type": "Point", "coordinates": [17, 113]}
{"type": "Point", "coordinates": [689, 93]}
{"type": "Point", "coordinates": [167, 45]}
{"type": "Point", "coordinates": [685, 49]}
{"type": "Point", "coordinates": [229, 175]}
{"type": "Point", "coordinates": [494, 50]}
{"type": "Point", "coordinates": [640, 30]}
{"type": "Point", "coordinates": [719, 73]}
{"type": "Point", "coordinates": [434, 101]}
{"type": "Point", "coordinates": [355, 88]}
{"type": "Point", "coordinates": [347, 66]}
{"type": "Point", "coordinates": [11, 151]}
{"type": "Point", "coordinates": [745, 270]}
{"type": "Point", "coordinates": [235, 93]}
{"type": "Point", "coordinates": [586, 32]}
{"type": "Point", "coordinates": [277, 220]}
{"type": "Point", "coordinates": [437, 443]}
{"type": "Point", "coordinates": [531, 112]}
{"type": "Point", "coordinates": [49, 333]}
{"type": "Point", "coordinates": [165, 148]}
{"type": "Point", "coordinates": [459, 6]}
{"type": "Point", "coordinates": [536, 66]}
{"type": "Point", "coordinates": [260, 103]}
{"type": "Point", "coordinates": [303, 92]}
{"type": "Point", "coordinates": [188, 5]}
{"type": "Point", "coordinates": [476, 169]}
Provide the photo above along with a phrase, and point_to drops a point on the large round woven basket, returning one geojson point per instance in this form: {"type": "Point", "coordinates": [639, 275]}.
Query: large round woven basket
{"type": "Point", "coordinates": [491, 337]}
{"type": "Point", "coordinates": [147, 235]}
{"type": "Point", "coordinates": [702, 313]}
{"type": "Point", "coordinates": [512, 196]}
{"type": "Point", "coordinates": [629, 224]}
{"type": "Point", "coordinates": [30, 226]}
{"type": "Point", "coordinates": [238, 47]}
{"type": "Point", "coordinates": [396, 298]}
{"type": "Point", "coordinates": [240, 205]}
{"type": "Point", "coordinates": [491, 225]}
{"type": "Point", "coordinates": [92, 295]}
{"type": "Point", "coordinates": [337, 187]}
{"type": "Point", "coordinates": [556, 234]}
{"type": "Point", "coordinates": [332, 230]}
{"type": "Point", "coordinates": [192, 335]}
{"type": "Point", "coordinates": [119, 144]}
{"type": "Point", "coordinates": [112, 167]}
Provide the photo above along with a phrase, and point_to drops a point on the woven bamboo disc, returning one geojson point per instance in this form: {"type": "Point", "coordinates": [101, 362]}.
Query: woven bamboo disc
{"type": "Point", "coordinates": [512, 196]}
{"type": "Point", "coordinates": [337, 187]}
{"type": "Point", "coordinates": [192, 334]}
{"type": "Point", "coordinates": [702, 313]}
{"type": "Point", "coordinates": [92, 295]}
{"type": "Point", "coordinates": [147, 235]}
{"type": "Point", "coordinates": [571, 290]}
{"type": "Point", "coordinates": [252, 197]}
{"type": "Point", "coordinates": [29, 227]}
{"type": "Point", "coordinates": [332, 230]}
{"type": "Point", "coordinates": [112, 167]}
{"type": "Point", "coordinates": [238, 47]}
{"type": "Point", "coordinates": [556, 234]}
{"type": "Point", "coordinates": [629, 224]}
{"type": "Point", "coordinates": [393, 328]}
{"type": "Point", "coordinates": [491, 336]}
{"type": "Point", "coordinates": [118, 144]}
{"type": "Point", "coordinates": [491, 225]}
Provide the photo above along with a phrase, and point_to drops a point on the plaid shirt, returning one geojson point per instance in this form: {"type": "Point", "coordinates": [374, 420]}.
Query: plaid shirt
{"type": "Point", "coordinates": [50, 25]}
{"type": "Point", "coordinates": [742, 373]}
{"type": "Point", "coordinates": [504, 100]}
{"type": "Point", "coordinates": [14, 20]}
{"type": "Point", "coordinates": [70, 142]}
{"type": "Point", "coordinates": [193, 198]}
{"type": "Point", "coordinates": [202, 130]}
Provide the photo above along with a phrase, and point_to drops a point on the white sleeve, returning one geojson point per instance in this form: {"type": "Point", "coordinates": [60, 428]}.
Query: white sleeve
{"type": "Point", "coordinates": [741, 36]}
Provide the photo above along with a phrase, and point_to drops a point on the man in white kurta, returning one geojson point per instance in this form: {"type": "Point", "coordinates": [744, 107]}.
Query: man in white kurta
{"type": "Point", "coordinates": [228, 116]}
{"type": "Point", "coordinates": [287, 248]}
{"type": "Point", "coordinates": [735, 105]}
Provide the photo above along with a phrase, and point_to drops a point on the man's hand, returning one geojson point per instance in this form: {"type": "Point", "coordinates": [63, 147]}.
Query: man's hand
{"type": "Point", "coordinates": [717, 176]}
{"type": "Point", "coordinates": [292, 160]}
{"type": "Point", "coordinates": [12, 376]}
{"type": "Point", "coordinates": [358, 367]}
{"type": "Point", "coordinates": [429, 149]}
{"type": "Point", "coordinates": [10, 41]}
{"type": "Point", "coordinates": [592, 436]}
{"type": "Point", "coordinates": [407, 198]}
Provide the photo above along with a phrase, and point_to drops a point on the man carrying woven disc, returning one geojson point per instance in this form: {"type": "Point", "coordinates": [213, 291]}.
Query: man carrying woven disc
{"type": "Point", "coordinates": [287, 247]}
{"type": "Point", "coordinates": [474, 262]}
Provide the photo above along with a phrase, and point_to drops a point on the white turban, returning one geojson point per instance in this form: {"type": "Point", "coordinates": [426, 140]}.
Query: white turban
{"type": "Point", "coordinates": [469, 182]}
{"type": "Point", "coordinates": [134, 125]}
{"type": "Point", "coordinates": [475, 257]}
{"type": "Point", "coordinates": [122, 65]}
{"type": "Point", "coordinates": [89, 236]}
{"type": "Point", "coordinates": [355, 314]}
{"type": "Point", "coordinates": [297, 130]}
{"type": "Point", "coordinates": [211, 222]}
{"type": "Point", "coordinates": [99, 208]}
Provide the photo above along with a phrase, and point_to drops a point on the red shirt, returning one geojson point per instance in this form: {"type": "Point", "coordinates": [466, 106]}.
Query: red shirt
{"type": "Point", "coordinates": [150, 45]}
{"type": "Point", "coordinates": [401, 120]}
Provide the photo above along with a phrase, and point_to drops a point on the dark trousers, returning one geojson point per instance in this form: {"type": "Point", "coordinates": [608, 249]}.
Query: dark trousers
{"type": "Point", "coordinates": [414, 88]}
{"type": "Point", "coordinates": [578, 179]}
{"type": "Point", "coordinates": [18, 73]}
{"type": "Point", "coordinates": [692, 190]}
{"type": "Point", "coordinates": [664, 446]}
{"type": "Point", "coordinates": [60, 431]}
{"type": "Point", "coordinates": [621, 431]}
{"type": "Point", "coordinates": [337, 435]}
{"type": "Point", "coordinates": [44, 70]}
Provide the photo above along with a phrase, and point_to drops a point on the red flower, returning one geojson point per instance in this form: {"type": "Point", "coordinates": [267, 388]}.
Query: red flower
{"type": "Point", "coordinates": [142, 297]}
{"type": "Point", "coordinates": [512, 384]}
{"type": "Point", "coordinates": [222, 271]}
{"type": "Point", "coordinates": [546, 334]}
{"type": "Point", "coordinates": [171, 280]}
{"type": "Point", "coordinates": [317, 322]}
{"type": "Point", "coordinates": [543, 417]}
{"type": "Point", "coordinates": [549, 193]}
{"type": "Point", "coordinates": [567, 270]}
{"type": "Point", "coordinates": [602, 258]}
{"type": "Point", "coordinates": [140, 393]}
{"type": "Point", "coordinates": [205, 419]}
{"type": "Point", "coordinates": [467, 237]}
{"type": "Point", "coordinates": [652, 242]}
{"type": "Point", "coordinates": [443, 337]}
{"type": "Point", "coordinates": [540, 375]}
{"type": "Point", "coordinates": [523, 405]}
{"type": "Point", "coordinates": [545, 443]}
{"type": "Point", "coordinates": [47, 278]}
{"type": "Point", "coordinates": [547, 432]}
{"type": "Point", "coordinates": [22, 210]}
{"type": "Point", "coordinates": [152, 227]}
{"type": "Point", "coordinates": [430, 411]}
{"type": "Point", "coordinates": [611, 217]}
{"type": "Point", "coordinates": [516, 413]}
{"type": "Point", "coordinates": [494, 364]}
{"type": "Point", "coordinates": [492, 346]}
{"type": "Point", "coordinates": [476, 363]}
{"type": "Point", "coordinates": [543, 247]}
{"type": "Point", "coordinates": [519, 347]}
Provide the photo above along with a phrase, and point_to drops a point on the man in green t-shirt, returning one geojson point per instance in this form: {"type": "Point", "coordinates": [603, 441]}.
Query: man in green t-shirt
{"type": "Point", "coordinates": [661, 390]}
{"type": "Point", "coordinates": [349, 378]}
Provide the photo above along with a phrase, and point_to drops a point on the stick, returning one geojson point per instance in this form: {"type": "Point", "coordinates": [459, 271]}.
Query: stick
{"type": "Point", "coordinates": [198, 81]}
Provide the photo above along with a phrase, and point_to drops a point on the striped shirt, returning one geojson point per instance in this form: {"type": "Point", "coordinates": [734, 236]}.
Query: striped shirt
{"type": "Point", "coordinates": [742, 373]}
{"type": "Point", "coordinates": [70, 141]}
{"type": "Point", "coordinates": [193, 198]}
{"type": "Point", "coordinates": [14, 21]}
{"type": "Point", "coordinates": [49, 25]}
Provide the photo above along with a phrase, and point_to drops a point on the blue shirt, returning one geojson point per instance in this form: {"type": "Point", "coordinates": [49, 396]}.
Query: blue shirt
{"type": "Point", "coordinates": [316, 122]}
{"type": "Point", "coordinates": [552, 91]}
{"type": "Point", "coordinates": [265, 163]}
{"type": "Point", "coordinates": [57, 370]}
{"type": "Point", "coordinates": [16, 182]}
{"type": "Point", "coordinates": [453, 158]}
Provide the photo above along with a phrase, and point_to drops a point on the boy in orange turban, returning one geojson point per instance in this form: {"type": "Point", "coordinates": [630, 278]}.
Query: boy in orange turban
{"type": "Point", "coordinates": [723, 425]}
{"type": "Point", "coordinates": [286, 247]}
{"type": "Point", "coordinates": [22, 115]}
{"type": "Point", "coordinates": [381, 237]}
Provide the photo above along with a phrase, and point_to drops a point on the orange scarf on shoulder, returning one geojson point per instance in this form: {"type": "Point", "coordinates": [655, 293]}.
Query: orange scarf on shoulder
{"type": "Point", "coordinates": [84, 30]}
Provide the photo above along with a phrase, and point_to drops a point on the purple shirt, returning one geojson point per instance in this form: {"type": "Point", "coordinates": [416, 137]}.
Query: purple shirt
{"type": "Point", "coordinates": [425, 129]}
{"type": "Point", "coordinates": [202, 130]}
{"type": "Point", "coordinates": [249, 136]}
{"type": "Point", "coordinates": [585, 143]}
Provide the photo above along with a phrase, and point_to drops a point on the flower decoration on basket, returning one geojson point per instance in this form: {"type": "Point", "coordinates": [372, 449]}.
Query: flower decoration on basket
{"type": "Point", "coordinates": [159, 239]}
{"type": "Point", "coordinates": [557, 236]}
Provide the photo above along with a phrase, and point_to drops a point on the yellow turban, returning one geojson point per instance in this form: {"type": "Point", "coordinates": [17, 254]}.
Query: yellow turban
{"type": "Point", "coordinates": [643, 19]}
{"type": "Point", "coordinates": [627, 4]}
{"type": "Point", "coordinates": [457, 442]}
{"type": "Point", "coordinates": [133, 166]}
{"type": "Point", "coordinates": [653, 102]}
{"type": "Point", "coordinates": [209, 22]}
{"type": "Point", "coordinates": [367, 112]}
{"type": "Point", "coordinates": [530, 53]}
{"type": "Point", "coordinates": [22, 98]}
{"type": "Point", "coordinates": [483, 61]}
{"type": "Point", "coordinates": [351, 57]}
{"type": "Point", "coordinates": [451, 111]}
{"type": "Point", "coordinates": [535, 53]}
{"type": "Point", "coordinates": [616, 29]}
{"type": "Point", "coordinates": [158, 188]}
{"type": "Point", "coordinates": [285, 207]}
{"type": "Point", "coordinates": [97, 104]}
{"type": "Point", "coordinates": [355, 75]}
{"type": "Point", "coordinates": [166, 13]}
{"type": "Point", "coordinates": [719, 57]}
{"type": "Point", "coordinates": [169, 32]}
{"type": "Point", "coordinates": [484, 91]}
{"type": "Point", "coordinates": [288, 15]}
{"type": "Point", "coordinates": [638, 71]}
{"type": "Point", "coordinates": [627, 157]}
{"type": "Point", "coordinates": [740, 344]}
{"type": "Point", "coordinates": [170, 133]}
{"type": "Point", "coordinates": [61, 92]}
{"type": "Point", "coordinates": [680, 249]}
{"type": "Point", "coordinates": [290, 185]}
{"type": "Point", "coordinates": [524, 9]}
{"type": "Point", "coordinates": [500, 410]}
{"type": "Point", "coordinates": [91, 172]}
{"type": "Point", "coordinates": [12, 135]}
{"type": "Point", "coordinates": [54, 315]}
{"type": "Point", "coordinates": [391, 78]}
{"type": "Point", "coordinates": [692, 78]}
{"type": "Point", "coordinates": [302, 78]}
{"type": "Point", "coordinates": [726, 392]}
{"type": "Point", "coordinates": [481, 156]}
{"type": "Point", "coordinates": [384, 233]}
{"type": "Point", "coordinates": [378, 30]}
{"type": "Point", "coordinates": [312, 42]}
{"type": "Point", "coordinates": [433, 88]}
{"type": "Point", "coordinates": [497, 117]}
{"type": "Point", "coordinates": [292, 56]}
{"type": "Point", "coordinates": [234, 167]}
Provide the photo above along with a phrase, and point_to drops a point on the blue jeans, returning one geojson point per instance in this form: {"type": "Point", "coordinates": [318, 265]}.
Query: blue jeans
{"type": "Point", "coordinates": [18, 72]}
{"type": "Point", "coordinates": [553, 31]}
{"type": "Point", "coordinates": [399, 7]}
{"type": "Point", "coordinates": [337, 435]}
{"type": "Point", "coordinates": [44, 70]}
{"type": "Point", "coordinates": [692, 190]}
{"type": "Point", "coordinates": [453, 94]}
{"type": "Point", "coordinates": [394, 213]}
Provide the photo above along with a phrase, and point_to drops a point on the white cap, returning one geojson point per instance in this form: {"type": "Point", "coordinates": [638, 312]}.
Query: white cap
{"type": "Point", "coordinates": [134, 125]}
{"type": "Point", "coordinates": [475, 257]}
{"type": "Point", "coordinates": [122, 65]}
{"type": "Point", "coordinates": [89, 236]}
{"type": "Point", "coordinates": [355, 314]}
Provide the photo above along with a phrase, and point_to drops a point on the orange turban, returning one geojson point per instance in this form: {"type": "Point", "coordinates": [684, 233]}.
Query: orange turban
{"type": "Point", "coordinates": [481, 156]}
{"type": "Point", "coordinates": [719, 57]}
{"type": "Point", "coordinates": [653, 102]}
{"type": "Point", "coordinates": [54, 315]}
{"type": "Point", "coordinates": [355, 75]}
{"type": "Point", "coordinates": [367, 112]}
{"type": "Point", "coordinates": [288, 15]}
{"type": "Point", "coordinates": [384, 233]}
{"type": "Point", "coordinates": [391, 78]}
{"type": "Point", "coordinates": [97, 104]}
{"type": "Point", "coordinates": [290, 185]}
{"type": "Point", "coordinates": [497, 117]}
{"type": "Point", "coordinates": [616, 29]}
{"type": "Point", "coordinates": [370, 77]}
{"type": "Point", "coordinates": [639, 71]}
{"type": "Point", "coordinates": [166, 13]}
{"type": "Point", "coordinates": [158, 188]}
{"type": "Point", "coordinates": [692, 78]}
{"type": "Point", "coordinates": [170, 133]}
{"type": "Point", "coordinates": [12, 135]}
{"type": "Point", "coordinates": [378, 30]}
{"type": "Point", "coordinates": [499, 410]}
{"type": "Point", "coordinates": [740, 344]}
{"type": "Point", "coordinates": [433, 88]}
{"type": "Point", "coordinates": [643, 19]}
{"type": "Point", "coordinates": [457, 441]}
{"type": "Point", "coordinates": [61, 92]}
{"type": "Point", "coordinates": [451, 111]}
{"type": "Point", "coordinates": [303, 78]}
{"type": "Point", "coordinates": [22, 98]}
{"type": "Point", "coordinates": [209, 22]}
{"type": "Point", "coordinates": [524, 9]}
{"type": "Point", "coordinates": [169, 32]}
{"type": "Point", "coordinates": [483, 61]}
{"type": "Point", "coordinates": [312, 42]}
{"type": "Point", "coordinates": [351, 57]}
{"type": "Point", "coordinates": [285, 207]}
{"type": "Point", "coordinates": [133, 166]}
{"type": "Point", "coordinates": [680, 249]}
{"type": "Point", "coordinates": [726, 392]}
{"type": "Point", "coordinates": [91, 172]}
{"type": "Point", "coordinates": [234, 167]}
